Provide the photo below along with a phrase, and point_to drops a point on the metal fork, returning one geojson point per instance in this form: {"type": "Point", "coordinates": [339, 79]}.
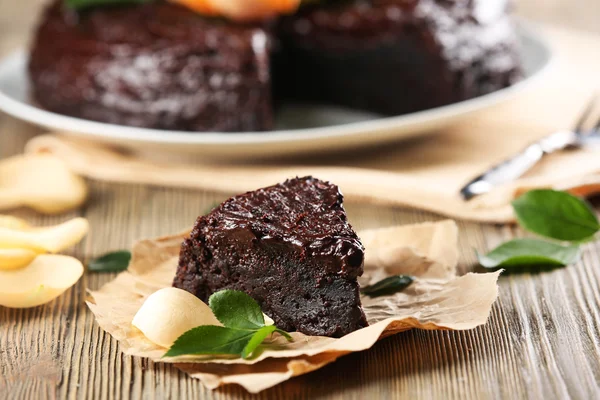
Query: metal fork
{"type": "Point", "coordinates": [518, 165]}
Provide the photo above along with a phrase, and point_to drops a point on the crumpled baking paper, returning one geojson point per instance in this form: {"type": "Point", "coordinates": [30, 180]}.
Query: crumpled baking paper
{"type": "Point", "coordinates": [438, 299]}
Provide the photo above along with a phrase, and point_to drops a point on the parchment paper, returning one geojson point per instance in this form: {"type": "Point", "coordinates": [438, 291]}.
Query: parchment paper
{"type": "Point", "coordinates": [438, 299]}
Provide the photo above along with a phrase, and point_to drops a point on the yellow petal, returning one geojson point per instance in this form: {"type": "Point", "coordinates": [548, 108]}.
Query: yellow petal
{"type": "Point", "coordinates": [7, 221]}
{"type": "Point", "coordinates": [16, 258]}
{"type": "Point", "coordinates": [49, 239]}
{"type": "Point", "coordinates": [169, 313]}
{"type": "Point", "coordinates": [40, 181]}
{"type": "Point", "coordinates": [46, 278]}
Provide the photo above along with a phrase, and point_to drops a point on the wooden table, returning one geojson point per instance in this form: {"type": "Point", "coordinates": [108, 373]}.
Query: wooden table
{"type": "Point", "coordinates": [542, 341]}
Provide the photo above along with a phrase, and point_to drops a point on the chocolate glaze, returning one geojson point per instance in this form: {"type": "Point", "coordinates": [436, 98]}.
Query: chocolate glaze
{"type": "Point", "coordinates": [290, 247]}
{"type": "Point", "coordinates": [397, 56]}
{"type": "Point", "coordinates": [159, 65]}
{"type": "Point", "coordinates": [153, 65]}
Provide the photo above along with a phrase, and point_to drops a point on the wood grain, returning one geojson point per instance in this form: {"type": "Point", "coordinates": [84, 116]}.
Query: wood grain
{"type": "Point", "coordinates": [542, 341]}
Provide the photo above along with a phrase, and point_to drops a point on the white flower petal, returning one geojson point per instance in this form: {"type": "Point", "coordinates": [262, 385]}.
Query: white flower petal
{"type": "Point", "coordinates": [46, 278]}
{"type": "Point", "coordinates": [51, 239]}
{"type": "Point", "coordinates": [40, 181]}
{"type": "Point", "coordinates": [169, 313]}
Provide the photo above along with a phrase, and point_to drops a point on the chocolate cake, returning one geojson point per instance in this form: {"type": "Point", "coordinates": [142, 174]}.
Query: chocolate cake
{"type": "Point", "coordinates": [397, 56]}
{"type": "Point", "coordinates": [153, 65]}
{"type": "Point", "coordinates": [288, 246]}
{"type": "Point", "coordinates": [160, 65]}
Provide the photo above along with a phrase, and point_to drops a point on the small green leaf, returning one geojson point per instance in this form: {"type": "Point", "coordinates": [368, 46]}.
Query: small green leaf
{"type": "Point", "coordinates": [236, 309]}
{"type": "Point", "coordinates": [285, 335]}
{"type": "Point", "coordinates": [557, 215]}
{"type": "Point", "coordinates": [387, 286]}
{"type": "Point", "coordinates": [259, 336]}
{"type": "Point", "coordinates": [243, 332]}
{"type": "Point", "coordinates": [112, 262]}
{"type": "Point", "coordinates": [529, 252]}
{"type": "Point", "coordinates": [211, 339]}
{"type": "Point", "coordinates": [80, 4]}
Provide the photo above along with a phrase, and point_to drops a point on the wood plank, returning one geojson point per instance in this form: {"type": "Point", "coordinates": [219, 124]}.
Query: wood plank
{"type": "Point", "coordinates": [527, 350]}
{"type": "Point", "coordinates": [542, 340]}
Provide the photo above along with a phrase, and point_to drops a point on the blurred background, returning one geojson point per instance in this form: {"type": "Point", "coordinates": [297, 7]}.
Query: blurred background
{"type": "Point", "coordinates": [577, 14]}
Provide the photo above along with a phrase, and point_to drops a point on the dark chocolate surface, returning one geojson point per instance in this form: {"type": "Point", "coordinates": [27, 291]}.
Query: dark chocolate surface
{"type": "Point", "coordinates": [397, 56]}
{"type": "Point", "coordinates": [153, 65]}
{"type": "Point", "coordinates": [159, 65]}
{"type": "Point", "coordinates": [288, 246]}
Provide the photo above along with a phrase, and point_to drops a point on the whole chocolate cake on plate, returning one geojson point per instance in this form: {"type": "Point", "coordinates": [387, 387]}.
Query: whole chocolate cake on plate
{"type": "Point", "coordinates": [226, 66]}
{"type": "Point", "coordinates": [288, 246]}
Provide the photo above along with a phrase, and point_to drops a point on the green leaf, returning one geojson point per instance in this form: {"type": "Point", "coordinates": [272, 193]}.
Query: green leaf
{"type": "Point", "coordinates": [236, 309]}
{"type": "Point", "coordinates": [259, 337]}
{"type": "Point", "coordinates": [112, 262]}
{"type": "Point", "coordinates": [243, 332]}
{"type": "Point", "coordinates": [80, 4]}
{"type": "Point", "coordinates": [387, 286]}
{"type": "Point", "coordinates": [211, 339]}
{"type": "Point", "coordinates": [284, 334]}
{"type": "Point", "coordinates": [557, 215]}
{"type": "Point", "coordinates": [529, 252]}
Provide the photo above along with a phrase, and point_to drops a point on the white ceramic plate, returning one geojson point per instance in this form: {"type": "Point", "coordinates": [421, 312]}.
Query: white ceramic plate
{"type": "Point", "coordinates": [299, 129]}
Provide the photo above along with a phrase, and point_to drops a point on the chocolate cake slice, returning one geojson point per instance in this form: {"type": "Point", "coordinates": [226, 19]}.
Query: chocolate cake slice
{"type": "Point", "coordinates": [288, 246]}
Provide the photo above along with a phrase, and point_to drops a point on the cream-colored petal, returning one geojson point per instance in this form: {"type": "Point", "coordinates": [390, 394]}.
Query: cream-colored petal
{"type": "Point", "coordinates": [169, 313]}
{"type": "Point", "coordinates": [10, 222]}
{"type": "Point", "coordinates": [46, 278]}
{"type": "Point", "coordinates": [40, 181]}
{"type": "Point", "coordinates": [49, 239]}
{"type": "Point", "coordinates": [268, 320]}
{"type": "Point", "coordinates": [16, 258]}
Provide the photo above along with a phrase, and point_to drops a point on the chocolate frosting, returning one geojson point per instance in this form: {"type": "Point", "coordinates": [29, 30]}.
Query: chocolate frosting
{"type": "Point", "coordinates": [303, 212]}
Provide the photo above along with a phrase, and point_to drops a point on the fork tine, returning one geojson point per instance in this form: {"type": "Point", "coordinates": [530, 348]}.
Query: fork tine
{"type": "Point", "coordinates": [586, 114]}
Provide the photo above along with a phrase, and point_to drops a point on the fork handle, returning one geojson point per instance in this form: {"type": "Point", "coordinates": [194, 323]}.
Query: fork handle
{"type": "Point", "coordinates": [518, 165]}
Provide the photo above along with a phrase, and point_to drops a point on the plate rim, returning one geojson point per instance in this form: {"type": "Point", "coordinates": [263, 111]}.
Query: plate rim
{"type": "Point", "coordinates": [112, 132]}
